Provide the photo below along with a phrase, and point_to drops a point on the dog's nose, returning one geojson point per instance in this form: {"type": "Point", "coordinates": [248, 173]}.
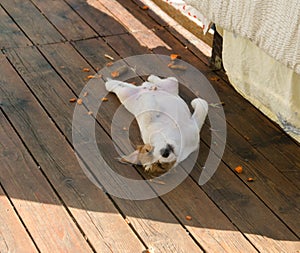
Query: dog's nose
{"type": "Point", "coordinates": [165, 152]}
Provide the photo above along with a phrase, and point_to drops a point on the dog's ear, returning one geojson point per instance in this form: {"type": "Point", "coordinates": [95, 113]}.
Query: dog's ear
{"type": "Point", "coordinates": [140, 156]}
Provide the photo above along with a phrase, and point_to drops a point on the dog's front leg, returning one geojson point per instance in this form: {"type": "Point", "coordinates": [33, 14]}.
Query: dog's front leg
{"type": "Point", "coordinates": [122, 89]}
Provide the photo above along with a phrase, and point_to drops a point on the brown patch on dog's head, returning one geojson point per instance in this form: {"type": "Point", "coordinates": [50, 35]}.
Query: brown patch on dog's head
{"type": "Point", "coordinates": [143, 155]}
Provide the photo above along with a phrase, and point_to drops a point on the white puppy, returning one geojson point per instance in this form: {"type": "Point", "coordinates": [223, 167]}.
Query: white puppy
{"type": "Point", "coordinates": [169, 131]}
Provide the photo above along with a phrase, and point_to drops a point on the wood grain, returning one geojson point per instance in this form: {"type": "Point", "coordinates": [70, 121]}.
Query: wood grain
{"type": "Point", "coordinates": [13, 236]}
{"type": "Point", "coordinates": [63, 17]}
{"type": "Point", "coordinates": [11, 35]}
{"type": "Point", "coordinates": [97, 16]}
{"type": "Point", "coordinates": [146, 216]}
{"type": "Point", "coordinates": [33, 24]}
{"type": "Point", "coordinates": [44, 216]}
{"type": "Point", "coordinates": [101, 222]}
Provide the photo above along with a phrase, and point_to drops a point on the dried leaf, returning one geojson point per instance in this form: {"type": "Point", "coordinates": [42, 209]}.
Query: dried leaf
{"type": "Point", "coordinates": [86, 70]}
{"type": "Point", "coordinates": [214, 78]}
{"type": "Point", "coordinates": [85, 94]}
{"type": "Point", "coordinates": [250, 179]}
{"type": "Point", "coordinates": [119, 71]}
{"type": "Point", "coordinates": [239, 169]}
{"type": "Point", "coordinates": [104, 99]}
{"type": "Point", "coordinates": [90, 77]}
{"type": "Point", "coordinates": [145, 7]}
{"type": "Point", "coordinates": [72, 100]}
{"type": "Point", "coordinates": [188, 217]}
{"type": "Point", "coordinates": [109, 57]}
{"type": "Point", "coordinates": [179, 67]}
{"type": "Point", "coordinates": [79, 101]}
{"type": "Point", "coordinates": [109, 64]}
{"type": "Point", "coordinates": [175, 56]}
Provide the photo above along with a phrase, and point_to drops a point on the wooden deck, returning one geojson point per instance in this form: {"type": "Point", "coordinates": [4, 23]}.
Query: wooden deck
{"type": "Point", "coordinates": [47, 203]}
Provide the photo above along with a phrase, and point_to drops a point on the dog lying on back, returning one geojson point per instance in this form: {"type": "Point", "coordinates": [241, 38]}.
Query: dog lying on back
{"type": "Point", "coordinates": [169, 131]}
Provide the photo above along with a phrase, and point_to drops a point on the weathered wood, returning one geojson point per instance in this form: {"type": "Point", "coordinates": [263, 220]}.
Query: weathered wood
{"type": "Point", "coordinates": [66, 56]}
{"type": "Point", "coordinates": [145, 216]}
{"type": "Point", "coordinates": [101, 222]}
{"type": "Point", "coordinates": [254, 200]}
{"type": "Point", "coordinates": [11, 35]}
{"type": "Point", "coordinates": [31, 21]}
{"type": "Point", "coordinates": [63, 17]}
{"type": "Point", "coordinates": [268, 140]}
{"type": "Point", "coordinates": [97, 16]}
{"type": "Point", "coordinates": [42, 213]}
{"type": "Point", "coordinates": [13, 236]}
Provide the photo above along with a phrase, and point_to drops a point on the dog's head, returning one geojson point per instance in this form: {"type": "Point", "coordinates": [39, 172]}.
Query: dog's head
{"type": "Point", "coordinates": [156, 160]}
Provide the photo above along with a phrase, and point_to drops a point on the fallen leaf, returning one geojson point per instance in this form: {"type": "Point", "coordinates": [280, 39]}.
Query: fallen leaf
{"type": "Point", "coordinates": [79, 101]}
{"type": "Point", "coordinates": [171, 64]}
{"type": "Point", "coordinates": [179, 67]}
{"type": "Point", "coordinates": [85, 94]}
{"type": "Point", "coordinates": [250, 179]}
{"type": "Point", "coordinates": [90, 112]}
{"type": "Point", "coordinates": [109, 64]}
{"type": "Point", "coordinates": [72, 100]}
{"type": "Point", "coordinates": [90, 77]}
{"type": "Point", "coordinates": [115, 74]}
{"type": "Point", "coordinates": [104, 99]}
{"type": "Point", "coordinates": [174, 56]}
{"type": "Point", "coordinates": [109, 57]}
{"type": "Point", "coordinates": [214, 78]}
{"type": "Point", "coordinates": [119, 71]}
{"type": "Point", "coordinates": [188, 217]}
{"type": "Point", "coordinates": [86, 70]}
{"type": "Point", "coordinates": [145, 7]}
{"type": "Point", "coordinates": [239, 169]}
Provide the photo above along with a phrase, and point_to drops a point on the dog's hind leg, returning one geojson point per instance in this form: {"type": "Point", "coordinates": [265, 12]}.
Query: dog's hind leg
{"type": "Point", "coordinates": [169, 84]}
{"type": "Point", "coordinates": [200, 111]}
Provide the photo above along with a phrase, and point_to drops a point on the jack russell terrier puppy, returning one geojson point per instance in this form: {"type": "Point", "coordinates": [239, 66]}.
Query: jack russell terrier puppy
{"type": "Point", "coordinates": [169, 131]}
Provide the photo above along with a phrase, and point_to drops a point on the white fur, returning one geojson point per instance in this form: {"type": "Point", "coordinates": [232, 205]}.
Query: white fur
{"type": "Point", "coordinates": [163, 116]}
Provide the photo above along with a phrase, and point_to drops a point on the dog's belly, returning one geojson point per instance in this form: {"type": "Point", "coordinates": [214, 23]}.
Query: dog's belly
{"type": "Point", "coordinates": [163, 117]}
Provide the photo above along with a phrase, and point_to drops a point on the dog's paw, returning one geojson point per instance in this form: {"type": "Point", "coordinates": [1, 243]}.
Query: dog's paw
{"type": "Point", "coordinates": [111, 84]}
{"type": "Point", "coordinates": [201, 103]}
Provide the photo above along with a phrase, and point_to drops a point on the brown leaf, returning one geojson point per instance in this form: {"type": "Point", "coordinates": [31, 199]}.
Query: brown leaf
{"type": "Point", "coordinates": [174, 56]}
{"type": "Point", "coordinates": [72, 100]}
{"type": "Point", "coordinates": [86, 70]}
{"type": "Point", "coordinates": [239, 169]}
{"type": "Point", "coordinates": [79, 101]}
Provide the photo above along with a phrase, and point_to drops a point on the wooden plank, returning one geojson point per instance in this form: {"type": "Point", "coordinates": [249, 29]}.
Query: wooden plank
{"type": "Point", "coordinates": [133, 25]}
{"type": "Point", "coordinates": [13, 235]}
{"type": "Point", "coordinates": [40, 209]}
{"type": "Point", "coordinates": [272, 187]}
{"type": "Point", "coordinates": [259, 228]}
{"type": "Point", "coordinates": [98, 17]}
{"type": "Point", "coordinates": [159, 17]}
{"type": "Point", "coordinates": [265, 141]}
{"type": "Point", "coordinates": [262, 134]}
{"type": "Point", "coordinates": [31, 21]}
{"type": "Point", "coordinates": [101, 222]}
{"type": "Point", "coordinates": [145, 216]}
{"type": "Point", "coordinates": [10, 34]}
{"type": "Point", "coordinates": [66, 56]}
{"type": "Point", "coordinates": [63, 17]}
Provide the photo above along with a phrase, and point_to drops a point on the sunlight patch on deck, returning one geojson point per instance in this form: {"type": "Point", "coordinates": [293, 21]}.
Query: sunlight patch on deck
{"type": "Point", "coordinates": [142, 34]}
